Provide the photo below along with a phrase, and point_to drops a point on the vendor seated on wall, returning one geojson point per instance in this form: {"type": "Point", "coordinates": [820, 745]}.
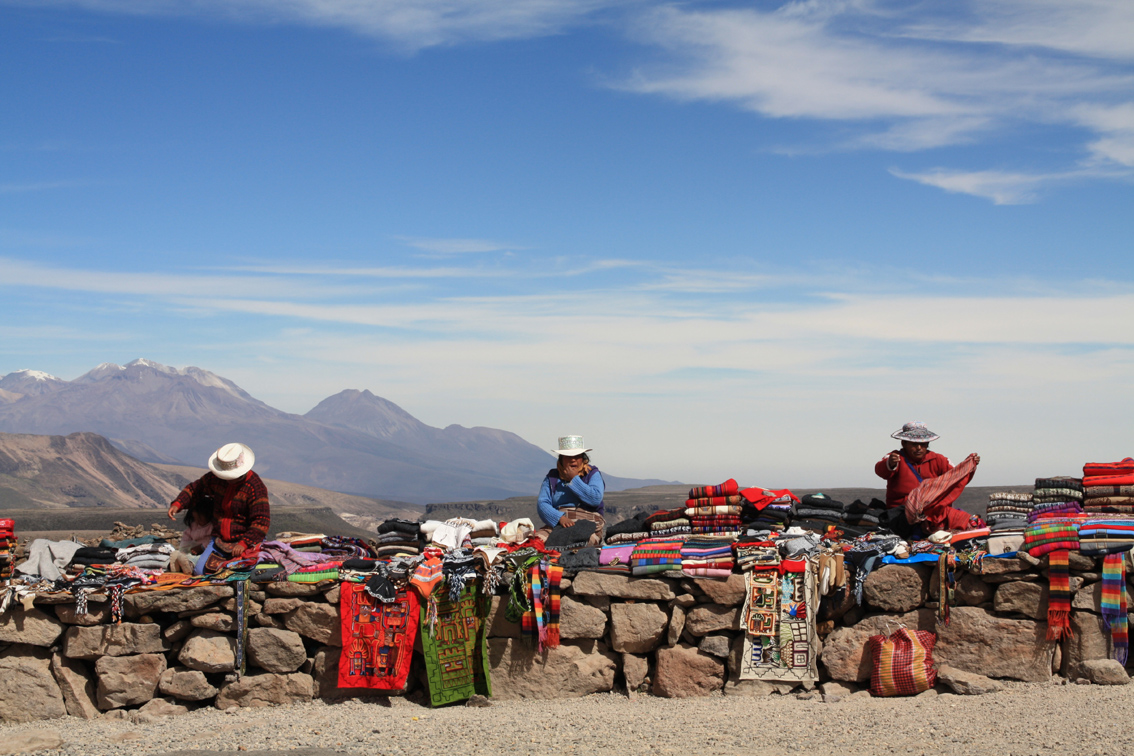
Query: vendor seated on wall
{"type": "Point", "coordinates": [572, 491]}
{"type": "Point", "coordinates": [227, 512]}
{"type": "Point", "coordinates": [906, 468]}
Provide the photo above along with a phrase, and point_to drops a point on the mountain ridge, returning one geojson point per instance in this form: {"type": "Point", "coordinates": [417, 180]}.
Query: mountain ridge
{"type": "Point", "coordinates": [353, 441]}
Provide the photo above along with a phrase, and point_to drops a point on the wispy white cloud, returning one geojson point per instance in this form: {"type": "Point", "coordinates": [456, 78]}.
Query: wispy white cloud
{"type": "Point", "coordinates": [457, 246]}
{"type": "Point", "coordinates": [1002, 187]}
{"type": "Point", "coordinates": [409, 24]}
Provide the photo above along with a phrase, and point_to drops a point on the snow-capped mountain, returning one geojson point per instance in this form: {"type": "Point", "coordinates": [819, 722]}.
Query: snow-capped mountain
{"type": "Point", "coordinates": [353, 442]}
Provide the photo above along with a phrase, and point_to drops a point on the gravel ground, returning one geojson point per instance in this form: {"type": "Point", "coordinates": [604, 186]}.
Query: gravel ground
{"type": "Point", "coordinates": [1021, 719]}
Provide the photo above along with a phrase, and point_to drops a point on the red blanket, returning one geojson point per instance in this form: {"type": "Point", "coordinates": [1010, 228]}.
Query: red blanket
{"type": "Point", "coordinates": [1107, 469]}
{"type": "Point", "coordinates": [377, 638]}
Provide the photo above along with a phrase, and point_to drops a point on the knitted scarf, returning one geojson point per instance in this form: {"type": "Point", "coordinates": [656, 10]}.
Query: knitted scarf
{"type": "Point", "coordinates": [536, 624]}
{"type": "Point", "coordinates": [544, 622]}
{"type": "Point", "coordinates": [1059, 596]}
{"type": "Point", "coordinates": [554, 575]}
{"type": "Point", "coordinates": [1114, 603]}
{"type": "Point", "coordinates": [946, 584]}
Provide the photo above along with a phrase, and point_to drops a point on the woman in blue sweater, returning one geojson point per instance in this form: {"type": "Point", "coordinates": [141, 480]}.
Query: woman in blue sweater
{"type": "Point", "coordinates": [572, 491]}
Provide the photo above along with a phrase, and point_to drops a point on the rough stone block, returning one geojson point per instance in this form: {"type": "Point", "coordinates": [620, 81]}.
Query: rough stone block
{"type": "Point", "coordinates": [28, 691]}
{"type": "Point", "coordinates": [209, 651]}
{"type": "Point", "coordinates": [266, 689]}
{"type": "Point", "coordinates": [728, 592]}
{"type": "Point", "coordinates": [186, 684]}
{"type": "Point", "coordinates": [897, 587]}
{"type": "Point", "coordinates": [77, 685]}
{"type": "Point", "coordinates": [519, 671]}
{"type": "Point", "coordinates": [128, 680]}
{"type": "Point", "coordinates": [319, 622]}
{"type": "Point", "coordinates": [683, 671]}
{"type": "Point", "coordinates": [113, 640]}
{"type": "Point", "coordinates": [184, 600]}
{"type": "Point", "coordinates": [622, 586]}
{"type": "Point", "coordinates": [33, 627]}
{"type": "Point", "coordinates": [579, 620]}
{"type": "Point", "coordinates": [636, 628]}
{"type": "Point", "coordinates": [279, 651]}
{"type": "Point", "coordinates": [704, 619]}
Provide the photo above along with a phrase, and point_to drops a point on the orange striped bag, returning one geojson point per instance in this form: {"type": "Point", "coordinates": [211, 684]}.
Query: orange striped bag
{"type": "Point", "coordinates": [903, 663]}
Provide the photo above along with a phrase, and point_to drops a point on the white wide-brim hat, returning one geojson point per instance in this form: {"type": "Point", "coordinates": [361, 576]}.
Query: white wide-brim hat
{"type": "Point", "coordinates": [916, 432]}
{"type": "Point", "coordinates": [571, 446]}
{"type": "Point", "coordinates": [231, 461]}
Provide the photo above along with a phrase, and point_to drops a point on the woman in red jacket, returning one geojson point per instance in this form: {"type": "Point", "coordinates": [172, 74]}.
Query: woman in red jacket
{"type": "Point", "coordinates": [905, 469]}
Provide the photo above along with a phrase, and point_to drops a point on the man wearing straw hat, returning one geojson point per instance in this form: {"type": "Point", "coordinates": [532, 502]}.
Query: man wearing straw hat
{"type": "Point", "coordinates": [572, 491]}
{"type": "Point", "coordinates": [234, 501]}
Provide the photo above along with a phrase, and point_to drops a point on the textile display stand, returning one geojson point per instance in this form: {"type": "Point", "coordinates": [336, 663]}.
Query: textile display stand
{"type": "Point", "coordinates": [780, 638]}
{"type": "Point", "coordinates": [455, 648]}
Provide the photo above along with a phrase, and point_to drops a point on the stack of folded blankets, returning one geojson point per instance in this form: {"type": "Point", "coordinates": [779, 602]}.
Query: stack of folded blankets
{"type": "Point", "coordinates": [1056, 497]}
{"type": "Point", "coordinates": [311, 543]}
{"type": "Point", "coordinates": [93, 556]}
{"type": "Point", "coordinates": [863, 516]}
{"type": "Point", "coordinates": [628, 531]}
{"type": "Point", "coordinates": [1007, 518]}
{"type": "Point", "coordinates": [7, 546]}
{"type": "Point", "coordinates": [714, 510]}
{"type": "Point", "coordinates": [1109, 487]}
{"type": "Point", "coordinates": [753, 552]}
{"type": "Point", "coordinates": [766, 510]}
{"type": "Point", "coordinates": [654, 555]}
{"type": "Point", "coordinates": [818, 512]}
{"type": "Point", "coordinates": [145, 556]}
{"type": "Point", "coordinates": [398, 538]}
{"type": "Point", "coordinates": [707, 557]}
{"type": "Point", "coordinates": [668, 522]}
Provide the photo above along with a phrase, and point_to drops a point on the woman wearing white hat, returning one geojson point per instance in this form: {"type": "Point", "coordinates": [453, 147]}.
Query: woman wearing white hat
{"type": "Point", "coordinates": [906, 468]}
{"type": "Point", "coordinates": [233, 500]}
{"type": "Point", "coordinates": [572, 491]}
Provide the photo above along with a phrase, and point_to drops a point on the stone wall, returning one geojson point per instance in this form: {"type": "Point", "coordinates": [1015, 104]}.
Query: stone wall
{"type": "Point", "coordinates": [670, 637]}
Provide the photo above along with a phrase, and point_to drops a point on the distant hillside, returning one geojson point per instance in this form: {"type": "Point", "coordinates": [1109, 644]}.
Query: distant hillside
{"type": "Point", "coordinates": [79, 470]}
{"type": "Point", "coordinates": [622, 505]}
{"type": "Point", "coordinates": [354, 442]}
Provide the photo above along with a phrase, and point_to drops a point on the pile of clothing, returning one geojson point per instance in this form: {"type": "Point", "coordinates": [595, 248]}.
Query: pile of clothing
{"type": "Point", "coordinates": [1108, 487]}
{"type": "Point", "coordinates": [398, 537]}
{"type": "Point", "coordinates": [1056, 497]}
{"type": "Point", "coordinates": [714, 510]}
{"type": "Point", "coordinates": [866, 517]}
{"type": "Point", "coordinates": [668, 523]}
{"type": "Point", "coordinates": [707, 556]}
{"type": "Point", "coordinates": [766, 510]}
{"type": "Point", "coordinates": [818, 512]}
{"type": "Point", "coordinates": [1007, 517]}
{"type": "Point", "coordinates": [7, 544]}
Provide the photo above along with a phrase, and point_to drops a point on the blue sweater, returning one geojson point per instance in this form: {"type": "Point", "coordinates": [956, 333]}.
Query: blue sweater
{"type": "Point", "coordinates": [583, 492]}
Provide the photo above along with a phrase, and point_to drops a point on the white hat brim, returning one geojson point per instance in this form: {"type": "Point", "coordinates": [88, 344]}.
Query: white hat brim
{"type": "Point", "coordinates": [570, 452]}
{"type": "Point", "coordinates": [236, 472]}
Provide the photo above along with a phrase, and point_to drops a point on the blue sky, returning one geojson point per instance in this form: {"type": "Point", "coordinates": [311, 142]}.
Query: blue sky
{"type": "Point", "coordinates": [717, 239]}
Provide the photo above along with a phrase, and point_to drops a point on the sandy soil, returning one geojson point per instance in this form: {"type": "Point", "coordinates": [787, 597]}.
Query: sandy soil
{"type": "Point", "coordinates": [1021, 719]}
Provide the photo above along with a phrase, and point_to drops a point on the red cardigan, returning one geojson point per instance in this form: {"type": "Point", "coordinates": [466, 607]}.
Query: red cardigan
{"type": "Point", "coordinates": [900, 482]}
{"type": "Point", "coordinates": [245, 517]}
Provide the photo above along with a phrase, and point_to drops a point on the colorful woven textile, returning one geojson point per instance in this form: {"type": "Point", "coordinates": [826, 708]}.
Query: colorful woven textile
{"type": "Point", "coordinates": [1054, 509]}
{"type": "Point", "coordinates": [935, 494]}
{"type": "Point", "coordinates": [780, 641]}
{"type": "Point", "coordinates": [709, 510]}
{"type": "Point", "coordinates": [1093, 492]}
{"type": "Point", "coordinates": [1125, 479]}
{"type": "Point", "coordinates": [455, 653]}
{"type": "Point", "coordinates": [1106, 536]}
{"type": "Point", "coordinates": [1104, 469]}
{"type": "Point", "coordinates": [903, 662]}
{"type": "Point", "coordinates": [1114, 604]}
{"type": "Point", "coordinates": [616, 558]}
{"type": "Point", "coordinates": [1056, 534]}
{"type": "Point", "coordinates": [316, 573]}
{"type": "Point", "coordinates": [729, 488]}
{"type": "Point", "coordinates": [1059, 596]}
{"type": "Point", "coordinates": [714, 501]}
{"type": "Point", "coordinates": [377, 638]}
{"type": "Point", "coordinates": [655, 555]}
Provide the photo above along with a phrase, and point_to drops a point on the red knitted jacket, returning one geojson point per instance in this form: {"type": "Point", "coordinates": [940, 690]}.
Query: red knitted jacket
{"type": "Point", "coordinates": [900, 482]}
{"type": "Point", "coordinates": [245, 517]}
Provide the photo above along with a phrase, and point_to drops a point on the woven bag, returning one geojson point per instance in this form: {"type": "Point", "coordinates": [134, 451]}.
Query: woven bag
{"type": "Point", "coordinates": [903, 662]}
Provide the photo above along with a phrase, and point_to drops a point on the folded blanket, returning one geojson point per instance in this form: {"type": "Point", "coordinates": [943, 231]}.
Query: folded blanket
{"type": "Point", "coordinates": [701, 511]}
{"type": "Point", "coordinates": [933, 495]}
{"type": "Point", "coordinates": [1106, 536]}
{"type": "Point", "coordinates": [1046, 495]}
{"type": "Point", "coordinates": [615, 558]}
{"type": "Point", "coordinates": [729, 488]}
{"type": "Point", "coordinates": [1058, 534]}
{"type": "Point", "coordinates": [1009, 496]}
{"type": "Point", "coordinates": [583, 559]}
{"type": "Point", "coordinates": [620, 538]}
{"type": "Point", "coordinates": [1108, 500]}
{"type": "Point", "coordinates": [1059, 482]}
{"type": "Point", "coordinates": [808, 513]}
{"type": "Point", "coordinates": [655, 555]}
{"type": "Point", "coordinates": [666, 515]}
{"type": "Point", "coordinates": [1100, 469]}
{"type": "Point", "coordinates": [1059, 508]}
{"type": "Point", "coordinates": [1125, 479]}
{"type": "Point", "coordinates": [714, 501]}
{"type": "Point", "coordinates": [1096, 491]}
{"type": "Point", "coordinates": [632, 525]}
{"type": "Point", "coordinates": [821, 501]}
{"type": "Point", "coordinates": [403, 526]}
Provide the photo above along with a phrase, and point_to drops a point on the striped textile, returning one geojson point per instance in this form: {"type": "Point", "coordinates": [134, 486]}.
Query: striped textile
{"type": "Point", "coordinates": [1114, 604]}
{"type": "Point", "coordinates": [1047, 495]}
{"type": "Point", "coordinates": [1109, 501]}
{"type": "Point", "coordinates": [703, 511]}
{"type": "Point", "coordinates": [1093, 492]}
{"type": "Point", "coordinates": [937, 493]}
{"type": "Point", "coordinates": [1075, 484]}
{"type": "Point", "coordinates": [1054, 509]}
{"type": "Point", "coordinates": [1059, 595]}
{"type": "Point", "coordinates": [1125, 479]}
{"type": "Point", "coordinates": [714, 501]}
{"type": "Point", "coordinates": [719, 573]}
{"type": "Point", "coordinates": [1106, 536]}
{"type": "Point", "coordinates": [316, 573]}
{"type": "Point", "coordinates": [1056, 534]}
{"type": "Point", "coordinates": [729, 488]}
{"type": "Point", "coordinates": [655, 555]}
{"type": "Point", "coordinates": [1101, 469]}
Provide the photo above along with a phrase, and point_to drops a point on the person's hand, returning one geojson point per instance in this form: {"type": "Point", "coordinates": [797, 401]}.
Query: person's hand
{"type": "Point", "coordinates": [173, 511]}
{"type": "Point", "coordinates": [893, 460]}
{"type": "Point", "coordinates": [237, 548]}
{"type": "Point", "coordinates": [976, 459]}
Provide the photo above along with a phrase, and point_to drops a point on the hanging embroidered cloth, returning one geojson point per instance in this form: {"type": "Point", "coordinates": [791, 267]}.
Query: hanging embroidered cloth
{"type": "Point", "coordinates": [378, 638]}
{"type": "Point", "coordinates": [780, 641]}
{"type": "Point", "coordinates": [455, 652]}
